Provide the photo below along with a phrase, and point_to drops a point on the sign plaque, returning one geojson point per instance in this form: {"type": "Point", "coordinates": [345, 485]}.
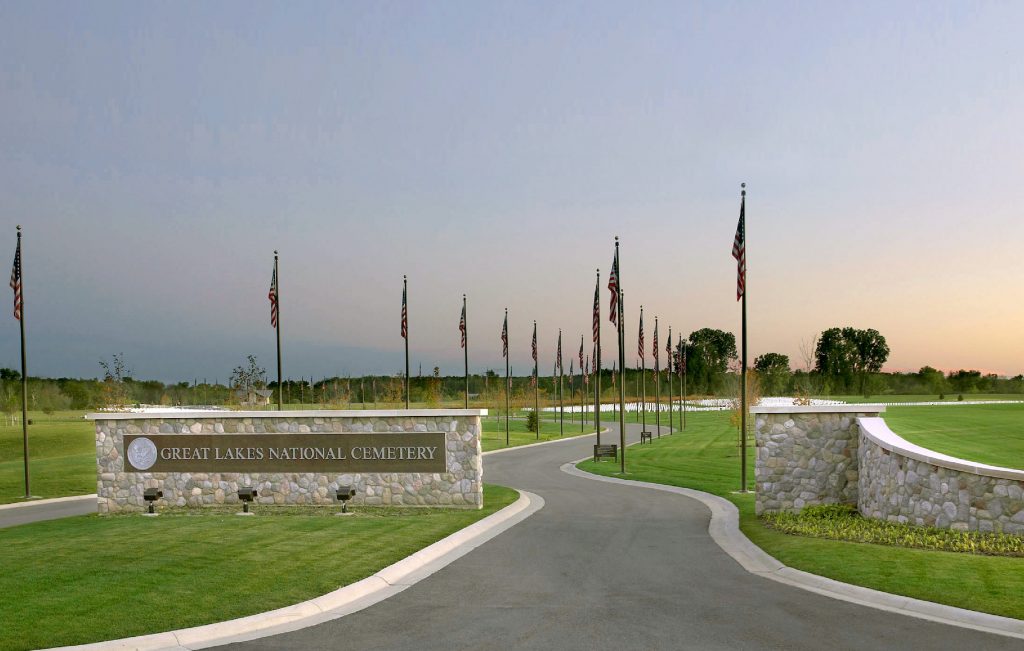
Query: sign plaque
{"type": "Point", "coordinates": [281, 453]}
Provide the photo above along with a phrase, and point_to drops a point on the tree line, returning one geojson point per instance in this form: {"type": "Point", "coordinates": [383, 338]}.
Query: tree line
{"type": "Point", "coordinates": [838, 361]}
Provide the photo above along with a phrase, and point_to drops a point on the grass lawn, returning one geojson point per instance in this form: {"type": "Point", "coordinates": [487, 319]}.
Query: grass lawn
{"type": "Point", "coordinates": [705, 457]}
{"type": "Point", "coordinates": [494, 432]}
{"type": "Point", "coordinates": [62, 456]}
{"type": "Point", "coordinates": [950, 397]}
{"type": "Point", "coordinates": [92, 578]}
{"type": "Point", "coordinates": [992, 434]}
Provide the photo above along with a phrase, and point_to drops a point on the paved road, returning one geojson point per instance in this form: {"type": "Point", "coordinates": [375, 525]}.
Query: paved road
{"type": "Point", "coordinates": [46, 510]}
{"type": "Point", "coordinates": [604, 566]}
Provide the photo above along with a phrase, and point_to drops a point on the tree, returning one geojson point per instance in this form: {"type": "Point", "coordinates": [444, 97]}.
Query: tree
{"type": "Point", "coordinates": [251, 376]}
{"type": "Point", "coordinates": [708, 352]}
{"type": "Point", "coordinates": [773, 372]}
{"type": "Point", "coordinates": [846, 356]}
{"type": "Point", "coordinates": [933, 379]}
{"type": "Point", "coordinates": [115, 378]}
{"type": "Point", "coordinates": [9, 374]}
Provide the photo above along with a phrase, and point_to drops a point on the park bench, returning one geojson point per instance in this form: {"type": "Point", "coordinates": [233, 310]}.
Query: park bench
{"type": "Point", "coordinates": [607, 450]}
{"type": "Point", "coordinates": [645, 436]}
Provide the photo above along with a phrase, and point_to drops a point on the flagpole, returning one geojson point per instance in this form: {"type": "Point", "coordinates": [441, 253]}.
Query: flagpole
{"type": "Point", "coordinates": [508, 377]}
{"type": "Point", "coordinates": [671, 393]}
{"type": "Point", "coordinates": [743, 370]}
{"type": "Point", "coordinates": [682, 356]}
{"type": "Point", "coordinates": [643, 375]}
{"type": "Point", "coordinates": [277, 329]}
{"type": "Point", "coordinates": [657, 380]}
{"type": "Point", "coordinates": [536, 382]}
{"type": "Point", "coordinates": [622, 363]}
{"type": "Point", "coordinates": [405, 310]}
{"type": "Point", "coordinates": [465, 348]}
{"type": "Point", "coordinates": [561, 403]}
{"type": "Point", "coordinates": [24, 366]}
{"type": "Point", "coordinates": [597, 369]}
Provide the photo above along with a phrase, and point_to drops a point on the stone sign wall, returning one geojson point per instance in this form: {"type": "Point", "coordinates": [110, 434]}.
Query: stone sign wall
{"type": "Point", "coordinates": [403, 458]}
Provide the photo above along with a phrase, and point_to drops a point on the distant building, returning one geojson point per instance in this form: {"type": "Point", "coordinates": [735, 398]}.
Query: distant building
{"type": "Point", "coordinates": [254, 397]}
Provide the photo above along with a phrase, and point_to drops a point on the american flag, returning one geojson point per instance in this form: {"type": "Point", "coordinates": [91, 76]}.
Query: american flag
{"type": "Point", "coordinates": [405, 313]}
{"type": "Point", "coordinates": [586, 374]}
{"type": "Point", "coordinates": [535, 343]}
{"type": "Point", "coordinates": [581, 352]}
{"type": "Point", "coordinates": [504, 336]}
{"type": "Point", "coordinates": [613, 286]}
{"type": "Point", "coordinates": [272, 295]}
{"type": "Point", "coordinates": [654, 346]}
{"type": "Point", "coordinates": [640, 346]}
{"type": "Point", "coordinates": [558, 360]}
{"type": "Point", "coordinates": [597, 311]}
{"type": "Point", "coordinates": [739, 250]}
{"type": "Point", "coordinates": [462, 326]}
{"type": "Point", "coordinates": [16, 279]}
{"type": "Point", "coordinates": [668, 351]}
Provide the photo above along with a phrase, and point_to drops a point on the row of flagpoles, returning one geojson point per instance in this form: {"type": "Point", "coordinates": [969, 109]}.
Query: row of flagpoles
{"type": "Point", "coordinates": [615, 315]}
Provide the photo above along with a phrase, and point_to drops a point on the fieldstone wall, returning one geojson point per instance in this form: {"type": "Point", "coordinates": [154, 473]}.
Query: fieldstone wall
{"type": "Point", "coordinates": [807, 455]}
{"type": "Point", "coordinates": [900, 482]}
{"type": "Point", "coordinates": [461, 485]}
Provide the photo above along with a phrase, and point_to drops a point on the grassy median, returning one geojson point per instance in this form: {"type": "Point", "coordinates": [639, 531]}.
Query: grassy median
{"type": "Point", "coordinates": [705, 457]}
{"type": "Point", "coordinates": [94, 578]}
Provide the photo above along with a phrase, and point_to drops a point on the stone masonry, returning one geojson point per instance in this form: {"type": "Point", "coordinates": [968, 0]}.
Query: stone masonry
{"type": "Point", "coordinates": [845, 454]}
{"type": "Point", "coordinates": [896, 487]}
{"type": "Point", "coordinates": [807, 455]}
{"type": "Point", "coordinates": [461, 485]}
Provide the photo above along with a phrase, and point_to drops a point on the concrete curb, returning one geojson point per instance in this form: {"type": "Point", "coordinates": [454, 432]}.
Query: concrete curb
{"type": "Point", "coordinates": [533, 445]}
{"type": "Point", "coordinates": [389, 581]}
{"type": "Point", "coordinates": [52, 500]}
{"type": "Point", "coordinates": [725, 531]}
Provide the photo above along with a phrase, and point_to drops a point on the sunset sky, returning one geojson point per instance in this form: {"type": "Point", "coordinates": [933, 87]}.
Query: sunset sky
{"type": "Point", "coordinates": [157, 154]}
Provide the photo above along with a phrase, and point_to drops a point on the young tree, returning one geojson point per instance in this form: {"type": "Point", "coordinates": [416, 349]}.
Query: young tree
{"type": "Point", "coordinates": [115, 378]}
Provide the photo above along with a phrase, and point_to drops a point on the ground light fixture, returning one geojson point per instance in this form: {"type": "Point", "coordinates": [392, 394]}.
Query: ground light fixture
{"type": "Point", "coordinates": [344, 494]}
{"type": "Point", "coordinates": [246, 494]}
{"type": "Point", "coordinates": [151, 495]}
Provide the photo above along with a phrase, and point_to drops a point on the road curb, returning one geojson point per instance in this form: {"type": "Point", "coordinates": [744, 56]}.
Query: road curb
{"type": "Point", "coordinates": [346, 600]}
{"type": "Point", "coordinates": [725, 531]}
{"type": "Point", "coordinates": [52, 500]}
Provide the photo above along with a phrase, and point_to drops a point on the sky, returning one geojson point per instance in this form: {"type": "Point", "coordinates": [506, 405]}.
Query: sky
{"type": "Point", "coordinates": [157, 154]}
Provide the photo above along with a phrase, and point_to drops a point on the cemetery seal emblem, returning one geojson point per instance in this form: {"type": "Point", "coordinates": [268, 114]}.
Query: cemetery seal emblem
{"type": "Point", "coordinates": [142, 453]}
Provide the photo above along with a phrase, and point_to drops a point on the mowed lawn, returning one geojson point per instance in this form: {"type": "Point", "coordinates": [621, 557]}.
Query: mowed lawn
{"type": "Point", "coordinates": [93, 578]}
{"type": "Point", "coordinates": [62, 456]}
{"type": "Point", "coordinates": [992, 434]}
{"type": "Point", "coordinates": [705, 457]}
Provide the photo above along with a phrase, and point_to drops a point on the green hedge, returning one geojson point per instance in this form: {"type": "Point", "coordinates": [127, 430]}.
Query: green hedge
{"type": "Point", "coordinates": [842, 522]}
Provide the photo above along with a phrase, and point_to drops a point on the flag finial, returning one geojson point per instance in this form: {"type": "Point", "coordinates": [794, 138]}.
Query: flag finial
{"type": "Point", "coordinates": [19, 228]}
{"type": "Point", "coordinates": [743, 189]}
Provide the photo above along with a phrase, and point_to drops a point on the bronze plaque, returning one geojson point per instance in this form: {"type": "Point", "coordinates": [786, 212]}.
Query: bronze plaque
{"type": "Point", "coordinates": [273, 453]}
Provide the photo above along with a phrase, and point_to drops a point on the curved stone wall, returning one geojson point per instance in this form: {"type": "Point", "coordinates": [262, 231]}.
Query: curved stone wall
{"type": "Point", "coordinates": [903, 482]}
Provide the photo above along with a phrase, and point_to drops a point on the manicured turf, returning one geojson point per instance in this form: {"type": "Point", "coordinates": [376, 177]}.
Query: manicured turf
{"type": "Point", "coordinates": [992, 434]}
{"type": "Point", "coordinates": [494, 432]}
{"type": "Point", "coordinates": [62, 455]}
{"type": "Point", "coordinates": [93, 578]}
{"type": "Point", "coordinates": [949, 397]}
{"type": "Point", "coordinates": [705, 457]}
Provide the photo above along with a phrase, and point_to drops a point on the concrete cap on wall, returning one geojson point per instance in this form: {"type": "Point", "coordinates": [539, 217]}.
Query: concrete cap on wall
{"type": "Point", "coordinates": [818, 409]}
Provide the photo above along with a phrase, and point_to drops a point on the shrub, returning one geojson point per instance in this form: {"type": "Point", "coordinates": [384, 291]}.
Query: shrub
{"type": "Point", "coordinates": [531, 421]}
{"type": "Point", "coordinates": [842, 522]}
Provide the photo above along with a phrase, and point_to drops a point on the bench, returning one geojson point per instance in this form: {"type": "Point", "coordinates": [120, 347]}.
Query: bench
{"type": "Point", "coordinates": [645, 436]}
{"type": "Point", "coordinates": [608, 450]}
